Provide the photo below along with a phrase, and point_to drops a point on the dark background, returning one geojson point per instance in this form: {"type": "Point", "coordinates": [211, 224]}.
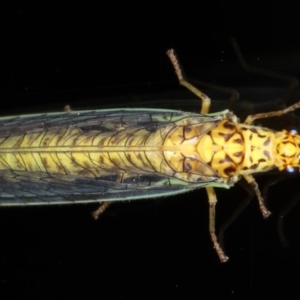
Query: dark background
{"type": "Point", "coordinates": [103, 55]}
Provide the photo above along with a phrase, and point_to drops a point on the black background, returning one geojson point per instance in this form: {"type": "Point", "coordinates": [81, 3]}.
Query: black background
{"type": "Point", "coordinates": [88, 56]}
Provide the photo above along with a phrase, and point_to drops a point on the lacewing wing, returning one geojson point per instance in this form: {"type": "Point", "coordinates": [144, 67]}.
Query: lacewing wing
{"type": "Point", "coordinates": [20, 185]}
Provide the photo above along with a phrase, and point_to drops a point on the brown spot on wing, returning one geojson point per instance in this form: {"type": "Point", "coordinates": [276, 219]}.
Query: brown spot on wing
{"type": "Point", "coordinates": [187, 167]}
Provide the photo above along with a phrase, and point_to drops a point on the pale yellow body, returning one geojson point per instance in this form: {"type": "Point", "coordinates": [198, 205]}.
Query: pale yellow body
{"type": "Point", "coordinates": [219, 150]}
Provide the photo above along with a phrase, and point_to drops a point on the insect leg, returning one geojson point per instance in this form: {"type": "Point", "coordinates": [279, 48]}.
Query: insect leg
{"type": "Point", "coordinates": [251, 118]}
{"type": "Point", "coordinates": [100, 210]}
{"type": "Point", "coordinates": [67, 108]}
{"type": "Point", "coordinates": [182, 80]}
{"type": "Point", "coordinates": [250, 179]}
{"type": "Point", "coordinates": [212, 200]}
{"type": "Point", "coordinates": [103, 206]}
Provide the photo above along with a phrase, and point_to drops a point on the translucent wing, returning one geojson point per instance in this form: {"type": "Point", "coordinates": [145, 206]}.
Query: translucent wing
{"type": "Point", "coordinates": [25, 187]}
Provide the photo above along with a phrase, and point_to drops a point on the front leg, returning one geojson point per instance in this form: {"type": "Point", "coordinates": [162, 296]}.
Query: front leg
{"type": "Point", "coordinates": [182, 80]}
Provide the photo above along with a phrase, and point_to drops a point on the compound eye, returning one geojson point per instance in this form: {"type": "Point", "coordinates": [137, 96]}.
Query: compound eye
{"type": "Point", "coordinates": [293, 129]}
{"type": "Point", "coordinates": [291, 172]}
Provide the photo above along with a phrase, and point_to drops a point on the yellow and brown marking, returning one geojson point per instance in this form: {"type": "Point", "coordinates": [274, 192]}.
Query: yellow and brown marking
{"type": "Point", "coordinates": [189, 150]}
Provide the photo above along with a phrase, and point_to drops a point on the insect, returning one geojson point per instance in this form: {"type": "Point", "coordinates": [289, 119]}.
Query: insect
{"type": "Point", "coordinates": [122, 154]}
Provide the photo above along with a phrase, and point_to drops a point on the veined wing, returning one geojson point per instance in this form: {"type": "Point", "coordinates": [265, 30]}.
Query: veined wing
{"type": "Point", "coordinates": [24, 187]}
{"type": "Point", "coordinates": [108, 119]}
